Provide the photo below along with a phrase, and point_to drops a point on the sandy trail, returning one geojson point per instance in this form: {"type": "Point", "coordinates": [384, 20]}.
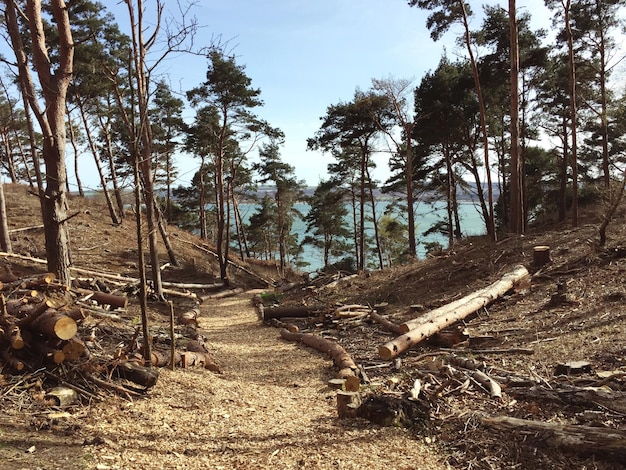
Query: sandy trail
{"type": "Point", "coordinates": [270, 408]}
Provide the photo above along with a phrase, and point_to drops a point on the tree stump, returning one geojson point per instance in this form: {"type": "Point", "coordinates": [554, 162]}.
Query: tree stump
{"type": "Point", "coordinates": [541, 255]}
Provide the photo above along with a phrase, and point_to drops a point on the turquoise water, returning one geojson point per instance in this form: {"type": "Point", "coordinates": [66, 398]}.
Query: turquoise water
{"type": "Point", "coordinates": [426, 215]}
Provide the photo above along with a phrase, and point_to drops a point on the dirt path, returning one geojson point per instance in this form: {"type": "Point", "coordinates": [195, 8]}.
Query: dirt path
{"type": "Point", "coordinates": [270, 408]}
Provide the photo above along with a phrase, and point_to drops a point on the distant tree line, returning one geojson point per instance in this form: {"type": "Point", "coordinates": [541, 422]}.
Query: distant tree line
{"type": "Point", "coordinates": [531, 117]}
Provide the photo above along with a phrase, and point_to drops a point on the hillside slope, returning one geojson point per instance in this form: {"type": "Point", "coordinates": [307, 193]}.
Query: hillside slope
{"type": "Point", "coordinates": [589, 324]}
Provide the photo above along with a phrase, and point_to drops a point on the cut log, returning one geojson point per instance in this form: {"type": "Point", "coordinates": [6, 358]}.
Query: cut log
{"type": "Point", "coordinates": [136, 373]}
{"type": "Point", "coordinates": [342, 360]}
{"type": "Point", "coordinates": [436, 320]}
{"type": "Point", "coordinates": [35, 312]}
{"type": "Point", "coordinates": [54, 324]}
{"type": "Point", "coordinates": [104, 298]}
{"type": "Point", "coordinates": [474, 301]}
{"type": "Point", "coordinates": [74, 349]}
{"type": "Point", "coordinates": [13, 362]}
{"type": "Point", "coordinates": [290, 312]}
{"type": "Point", "coordinates": [190, 317]}
{"type": "Point", "coordinates": [185, 359]}
{"type": "Point", "coordinates": [385, 323]}
{"type": "Point", "coordinates": [580, 439]}
{"type": "Point", "coordinates": [221, 295]}
{"type": "Point", "coordinates": [37, 281]}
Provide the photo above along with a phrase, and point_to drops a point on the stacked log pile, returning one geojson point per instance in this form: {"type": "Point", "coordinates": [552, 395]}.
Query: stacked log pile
{"type": "Point", "coordinates": [51, 331]}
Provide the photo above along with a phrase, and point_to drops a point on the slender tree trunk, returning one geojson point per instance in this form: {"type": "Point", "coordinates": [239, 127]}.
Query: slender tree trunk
{"type": "Point", "coordinates": [563, 178]}
{"type": "Point", "coordinates": [107, 197]}
{"type": "Point", "coordinates": [573, 112]}
{"type": "Point", "coordinates": [202, 202]}
{"type": "Point", "coordinates": [375, 220]}
{"type": "Point", "coordinates": [491, 227]}
{"type": "Point", "coordinates": [516, 224]}
{"type": "Point", "coordinates": [604, 125]}
{"type": "Point", "coordinates": [409, 191]}
{"type": "Point", "coordinates": [361, 265]}
{"type": "Point", "coordinates": [70, 126]}
{"type": "Point", "coordinates": [117, 191]}
{"type": "Point", "coordinates": [5, 239]}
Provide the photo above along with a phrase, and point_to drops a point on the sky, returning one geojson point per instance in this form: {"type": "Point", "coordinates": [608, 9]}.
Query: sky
{"type": "Point", "coordinates": [307, 55]}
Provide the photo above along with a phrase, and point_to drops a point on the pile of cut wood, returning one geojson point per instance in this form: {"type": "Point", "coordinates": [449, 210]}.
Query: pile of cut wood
{"type": "Point", "coordinates": [56, 332]}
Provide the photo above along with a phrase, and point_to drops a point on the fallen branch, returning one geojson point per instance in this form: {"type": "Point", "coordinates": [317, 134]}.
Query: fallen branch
{"type": "Point", "coordinates": [581, 439]}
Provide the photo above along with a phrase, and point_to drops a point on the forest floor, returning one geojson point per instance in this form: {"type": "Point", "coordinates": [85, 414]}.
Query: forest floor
{"type": "Point", "coordinates": [271, 406]}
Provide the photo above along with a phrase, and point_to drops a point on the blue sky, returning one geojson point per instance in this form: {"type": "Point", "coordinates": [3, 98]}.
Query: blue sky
{"type": "Point", "coordinates": [307, 55]}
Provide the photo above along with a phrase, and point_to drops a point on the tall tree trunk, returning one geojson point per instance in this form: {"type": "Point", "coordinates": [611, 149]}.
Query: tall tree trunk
{"type": "Point", "coordinates": [54, 87]}
{"type": "Point", "coordinates": [5, 239]}
{"type": "Point", "coordinates": [117, 191]}
{"type": "Point", "coordinates": [107, 197]}
{"type": "Point", "coordinates": [491, 227]}
{"type": "Point", "coordinates": [563, 177]}
{"type": "Point", "coordinates": [573, 111]}
{"type": "Point", "coordinates": [70, 126]}
{"type": "Point", "coordinates": [372, 199]}
{"type": "Point", "coordinates": [516, 224]}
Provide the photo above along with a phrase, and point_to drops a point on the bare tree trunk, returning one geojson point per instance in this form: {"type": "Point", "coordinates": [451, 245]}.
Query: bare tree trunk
{"type": "Point", "coordinates": [516, 224]}
{"type": "Point", "coordinates": [491, 226]}
{"type": "Point", "coordinates": [54, 87]}
{"type": "Point", "coordinates": [5, 239]}
{"type": "Point", "coordinates": [117, 191]}
{"type": "Point", "coordinates": [573, 111]}
{"type": "Point", "coordinates": [70, 126]}
{"type": "Point", "coordinates": [114, 217]}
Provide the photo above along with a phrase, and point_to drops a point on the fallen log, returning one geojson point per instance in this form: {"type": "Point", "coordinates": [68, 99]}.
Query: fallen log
{"type": "Point", "coordinates": [185, 359]}
{"type": "Point", "coordinates": [342, 360]}
{"type": "Point", "coordinates": [580, 439]}
{"type": "Point", "coordinates": [472, 302]}
{"type": "Point", "coordinates": [136, 373]}
{"type": "Point", "coordinates": [296, 311]}
{"type": "Point", "coordinates": [189, 317]}
{"type": "Point", "coordinates": [385, 323]}
{"type": "Point", "coordinates": [425, 326]}
{"type": "Point", "coordinates": [103, 298]}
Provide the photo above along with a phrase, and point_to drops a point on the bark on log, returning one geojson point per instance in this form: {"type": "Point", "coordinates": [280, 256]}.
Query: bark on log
{"type": "Point", "coordinates": [385, 323]}
{"type": "Point", "coordinates": [580, 439]}
{"type": "Point", "coordinates": [221, 295]}
{"type": "Point", "coordinates": [74, 349]}
{"type": "Point", "coordinates": [425, 326]}
{"type": "Point", "coordinates": [472, 302]}
{"type": "Point", "coordinates": [136, 373]}
{"type": "Point", "coordinates": [348, 404]}
{"type": "Point", "coordinates": [342, 360]}
{"type": "Point", "coordinates": [185, 359]}
{"type": "Point", "coordinates": [190, 317]}
{"type": "Point", "coordinates": [104, 298]}
{"type": "Point", "coordinates": [290, 312]}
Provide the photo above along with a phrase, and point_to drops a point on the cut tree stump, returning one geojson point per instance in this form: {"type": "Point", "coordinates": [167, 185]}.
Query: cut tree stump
{"type": "Point", "coordinates": [541, 255]}
{"type": "Point", "coordinates": [423, 327]}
